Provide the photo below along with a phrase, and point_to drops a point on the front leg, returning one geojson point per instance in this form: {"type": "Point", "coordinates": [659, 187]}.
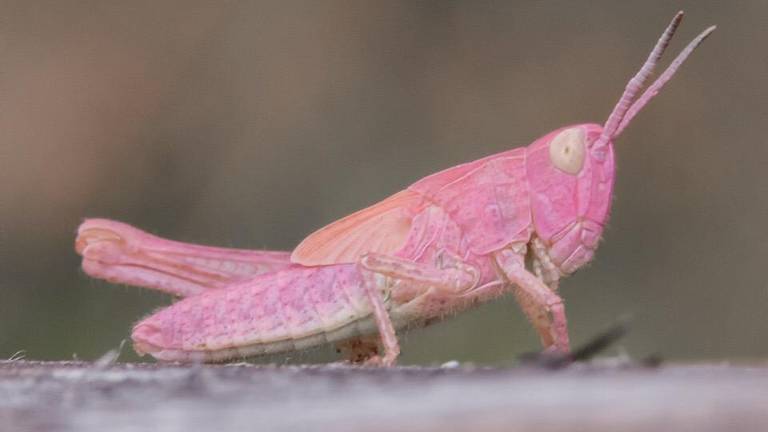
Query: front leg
{"type": "Point", "coordinates": [543, 307]}
{"type": "Point", "coordinates": [455, 280]}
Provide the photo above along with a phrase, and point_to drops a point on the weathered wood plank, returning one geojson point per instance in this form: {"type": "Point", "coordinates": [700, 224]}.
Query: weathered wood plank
{"type": "Point", "coordinates": [84, 397]}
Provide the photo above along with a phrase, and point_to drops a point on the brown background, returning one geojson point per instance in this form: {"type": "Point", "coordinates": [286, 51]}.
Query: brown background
{"type": "Point", "coordinates": [250, 124]}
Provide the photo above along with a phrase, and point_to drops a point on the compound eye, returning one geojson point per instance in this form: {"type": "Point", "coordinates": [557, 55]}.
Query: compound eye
{"type": "Point", "coordinates": [567, 149]}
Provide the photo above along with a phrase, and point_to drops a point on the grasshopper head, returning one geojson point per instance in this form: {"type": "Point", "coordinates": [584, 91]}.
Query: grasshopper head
{"type": "Point", "coordinates": [571, 185]}
{"type": "Point", "coordinates": [571, 170]}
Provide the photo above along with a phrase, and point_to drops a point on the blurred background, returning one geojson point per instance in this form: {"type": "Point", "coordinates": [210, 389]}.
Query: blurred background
{"type": "Point", "coordinates": [250, 124]}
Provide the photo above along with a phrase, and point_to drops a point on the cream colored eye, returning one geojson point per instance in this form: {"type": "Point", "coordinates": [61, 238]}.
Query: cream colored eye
{"type": "Point", "coordinates": [567, 149]}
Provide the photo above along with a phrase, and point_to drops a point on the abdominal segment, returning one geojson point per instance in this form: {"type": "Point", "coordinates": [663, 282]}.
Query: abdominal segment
{"type": "Point", "coordinates": [282, 311]}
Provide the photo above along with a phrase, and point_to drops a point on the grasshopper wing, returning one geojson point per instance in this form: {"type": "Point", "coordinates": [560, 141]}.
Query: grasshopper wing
{"type": "Point", "coordinates": [381, 228]}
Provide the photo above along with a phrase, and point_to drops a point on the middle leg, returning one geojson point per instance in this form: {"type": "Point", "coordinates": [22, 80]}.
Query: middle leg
{"type": "Point", "coordinates": [419, 278]}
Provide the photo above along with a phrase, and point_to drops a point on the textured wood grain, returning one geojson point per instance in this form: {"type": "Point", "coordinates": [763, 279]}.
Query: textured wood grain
{"type": "Point", "coordinates": [88, 397]}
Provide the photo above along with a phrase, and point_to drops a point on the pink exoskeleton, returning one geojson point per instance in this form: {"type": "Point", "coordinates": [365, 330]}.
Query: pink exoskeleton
{"type": "Point", "coordinates": [517, 221]}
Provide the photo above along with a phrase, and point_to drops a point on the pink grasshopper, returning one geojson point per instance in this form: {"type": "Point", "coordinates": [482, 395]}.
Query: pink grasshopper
{"type": "Point", "coordinates": [516, 221]}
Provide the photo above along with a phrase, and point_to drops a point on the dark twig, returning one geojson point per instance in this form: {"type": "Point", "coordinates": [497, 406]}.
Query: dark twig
{"type": "Point", "coordinates": [585, 352]}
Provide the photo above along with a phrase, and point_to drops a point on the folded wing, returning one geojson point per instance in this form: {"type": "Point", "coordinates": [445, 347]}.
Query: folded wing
{"type": "Point", "coordinates": [381, 228]}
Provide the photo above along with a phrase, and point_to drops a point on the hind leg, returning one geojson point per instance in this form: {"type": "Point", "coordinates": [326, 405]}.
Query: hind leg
{"type": "Point", "coordinates": [121, 253]}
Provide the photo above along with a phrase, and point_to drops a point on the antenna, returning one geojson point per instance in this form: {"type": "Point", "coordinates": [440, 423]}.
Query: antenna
{"type": "Point", "coordinates": [654, 88]}
{"type": "Point", "coordinates": [625, 110]}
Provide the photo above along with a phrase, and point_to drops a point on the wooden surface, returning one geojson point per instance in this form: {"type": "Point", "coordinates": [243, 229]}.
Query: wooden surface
{"type": "Point", "coordinates": [83, 397]}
